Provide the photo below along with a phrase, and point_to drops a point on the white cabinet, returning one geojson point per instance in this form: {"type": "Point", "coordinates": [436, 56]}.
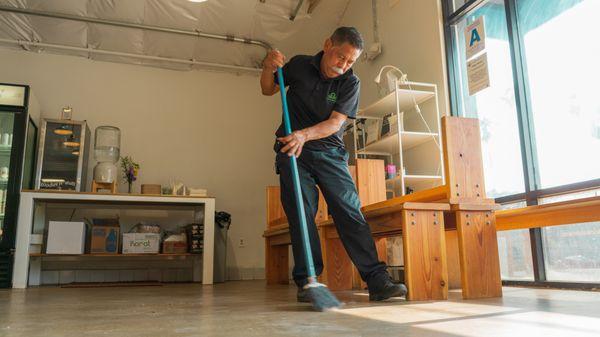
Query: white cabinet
{"type": "Point", "coordinates": [404, 128]}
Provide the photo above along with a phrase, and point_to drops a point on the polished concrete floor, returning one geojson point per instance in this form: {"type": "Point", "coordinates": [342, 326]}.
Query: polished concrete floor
{"type": "Point", "coordinates": [250, 308]}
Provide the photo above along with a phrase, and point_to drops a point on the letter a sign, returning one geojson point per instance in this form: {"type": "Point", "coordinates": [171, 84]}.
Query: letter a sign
{"type": "Point", "coordinates": [475, 37]}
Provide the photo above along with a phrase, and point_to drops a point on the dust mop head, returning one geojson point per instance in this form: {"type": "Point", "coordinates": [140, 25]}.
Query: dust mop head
{"type": "Point", "coordinates": [321, 298]}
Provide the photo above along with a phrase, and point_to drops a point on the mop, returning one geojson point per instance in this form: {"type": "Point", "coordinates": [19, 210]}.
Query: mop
{"type": "Point", "coordinates": [320, 297]}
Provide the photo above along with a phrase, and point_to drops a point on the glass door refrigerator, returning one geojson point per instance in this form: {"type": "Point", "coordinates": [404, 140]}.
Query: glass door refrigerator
{"type": "Point", "coordinates": [18, 137]}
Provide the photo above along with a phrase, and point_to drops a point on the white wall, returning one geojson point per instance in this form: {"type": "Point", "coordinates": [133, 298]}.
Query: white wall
{"type": "Point", "coordinates": [207, 129]}
{"type": "Point", "coordinates": [411, 32]}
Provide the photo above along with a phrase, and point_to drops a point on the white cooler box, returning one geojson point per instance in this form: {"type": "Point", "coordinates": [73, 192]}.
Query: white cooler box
{"type": "Point", "coordinates": [65, 237]}
{"type": "Point", "coordinates": [141, 243]}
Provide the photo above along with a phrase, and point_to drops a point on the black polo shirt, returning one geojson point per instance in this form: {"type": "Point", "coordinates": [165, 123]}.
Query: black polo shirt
{"type": "Point", "coordinates": [312, 97]}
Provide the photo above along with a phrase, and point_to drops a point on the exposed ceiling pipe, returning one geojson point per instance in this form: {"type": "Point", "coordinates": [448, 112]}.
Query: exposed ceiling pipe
{"type": "Point", "coordinates": [194, 33]}
{"type": "Point", "coordinates": [23, 43]}
{"type": "Point", "coordinates": [375, 21]}
{"type": "Point", "coordinates": [295, 12]}
{"type": "Point", "coordinates": [312, 4]}
{"type": "Point", "coordinates": [375, 49]}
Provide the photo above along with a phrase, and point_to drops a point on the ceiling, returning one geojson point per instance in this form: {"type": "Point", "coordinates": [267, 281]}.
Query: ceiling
{"type": "Point", "coordinates": [264, 20]}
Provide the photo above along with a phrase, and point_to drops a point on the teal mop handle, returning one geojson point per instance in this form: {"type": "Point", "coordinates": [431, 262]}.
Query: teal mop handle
{"type": "Point", "coordinates": [310, 267]}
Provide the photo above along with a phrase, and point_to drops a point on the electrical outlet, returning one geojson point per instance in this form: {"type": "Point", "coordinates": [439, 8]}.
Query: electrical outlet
{"type": "Point", "coordinates": [242, 243]}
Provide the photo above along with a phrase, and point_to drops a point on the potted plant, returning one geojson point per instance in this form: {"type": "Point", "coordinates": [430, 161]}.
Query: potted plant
{"type": "Point", "coordinates": [130, 171]}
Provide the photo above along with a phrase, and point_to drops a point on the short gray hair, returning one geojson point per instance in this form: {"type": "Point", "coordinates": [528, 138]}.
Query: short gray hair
{"type": "Point", "coordinates": [349, 35]}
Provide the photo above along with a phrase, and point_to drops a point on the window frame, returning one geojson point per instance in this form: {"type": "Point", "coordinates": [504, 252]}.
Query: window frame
{"type": "Point", "coordinates": [533, 190]}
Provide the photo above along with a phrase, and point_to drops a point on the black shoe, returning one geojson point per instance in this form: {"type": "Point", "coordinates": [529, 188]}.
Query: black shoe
{"type": "Point", "coordinates": [302, 296]}
{"type": "Point", "coordinates": [386, 289]}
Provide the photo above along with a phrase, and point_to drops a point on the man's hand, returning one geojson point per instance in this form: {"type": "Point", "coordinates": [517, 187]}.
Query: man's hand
{"type": "Point", "coordinates": [273, 60]}
{"type": "Point", "coordinates": [294, 143]}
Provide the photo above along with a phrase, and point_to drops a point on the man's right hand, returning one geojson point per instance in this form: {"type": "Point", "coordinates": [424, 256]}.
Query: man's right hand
{"type": "Point", "coordinates": [273, 60]}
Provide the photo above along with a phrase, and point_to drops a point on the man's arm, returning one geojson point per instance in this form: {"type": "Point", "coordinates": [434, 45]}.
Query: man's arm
{"type": "Point", "coordinates": [295, 141]}
{"type": "Point", "coordinates": [273, 60]}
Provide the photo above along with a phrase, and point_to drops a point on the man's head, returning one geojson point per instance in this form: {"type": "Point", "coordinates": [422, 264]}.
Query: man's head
{"type": "Point", "coordinates": [341, 50]}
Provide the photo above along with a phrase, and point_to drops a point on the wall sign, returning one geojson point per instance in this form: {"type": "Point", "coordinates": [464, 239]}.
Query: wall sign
{"type": "Point", "coordinates": [478, 74]}
{"type": "Point", "coordinates": [475, 37]}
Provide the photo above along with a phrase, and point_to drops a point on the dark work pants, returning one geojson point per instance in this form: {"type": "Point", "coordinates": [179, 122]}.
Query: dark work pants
{"type": "Point", "coordinates": [327, 169]}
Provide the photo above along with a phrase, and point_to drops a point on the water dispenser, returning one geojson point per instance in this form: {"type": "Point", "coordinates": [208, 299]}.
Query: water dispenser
{"type": "Point", "coordinates": [107, 145]}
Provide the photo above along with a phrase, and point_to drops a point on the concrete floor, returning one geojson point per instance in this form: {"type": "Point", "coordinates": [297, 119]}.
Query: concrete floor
{"type": "Point", "coordinates": [249, 308]}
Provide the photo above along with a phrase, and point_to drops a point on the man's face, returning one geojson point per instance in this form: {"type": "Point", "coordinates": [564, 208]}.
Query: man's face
{"type": "Point", "coordinates": [337, 59]}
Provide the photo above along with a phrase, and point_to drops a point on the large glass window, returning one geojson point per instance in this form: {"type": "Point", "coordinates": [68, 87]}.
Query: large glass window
{"type": "Point", "coordinates": [494, 106]}
{"type": "Point", "coordinates": [572, 252]}
{"type": "Point", "coordinates": [456, 4]}
{"type": "Point", "coordinates": [514, 250]}
{"type": "Point", "coordinates": [543, 96]}
{"type": "Point", "coordinates": [561, 51]}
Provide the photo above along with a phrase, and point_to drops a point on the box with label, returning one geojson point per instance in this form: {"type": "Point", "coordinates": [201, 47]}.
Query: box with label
{"type": "Point", "coordinates": [141, 243]}
{"type": "Point", "coordinates": [65, 237]}
{"type": "Point", "coordinates": [105, 239]}
{"type": "Point", "coordinates": [175, 247]}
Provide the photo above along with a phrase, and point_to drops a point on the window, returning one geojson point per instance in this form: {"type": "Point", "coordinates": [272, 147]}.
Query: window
{"type": "Point", "coordinates": [569, 196]}
{"type": "Point", "coordinates": [540, 123]}
{"type": "Point", "coordinates": [562, 52]}
{"type": "Point", "coordinates": [495, 106]}
{"type": "Point", "coordinates": [514, 249]}
{"type": "Point", "coordinates": [456, 4]}
{"type": "Point", "coordinates": [572, 252]}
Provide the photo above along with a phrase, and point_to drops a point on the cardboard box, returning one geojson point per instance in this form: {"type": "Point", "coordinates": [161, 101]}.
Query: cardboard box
{"type": "Point", "coordinates": [105, 239]}
{"type": "Point", "coordinates": [175, 244]}
{"type": "Point", "coordinates": [66, 237]}
{"type": "Point", "coordinates": [175, 247]}
{"type": "Point", "coordinates": [104, 236]}
{"type": "Point", "coordinates": [141, 243]}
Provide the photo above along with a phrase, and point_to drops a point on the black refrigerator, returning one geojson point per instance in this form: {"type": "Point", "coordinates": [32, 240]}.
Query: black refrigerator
{"type": "Point", "coordinates": [18, 142]}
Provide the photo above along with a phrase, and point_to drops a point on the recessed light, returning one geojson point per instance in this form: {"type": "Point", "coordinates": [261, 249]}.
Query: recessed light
{"type": "Point", "coordinates": [196, 0]}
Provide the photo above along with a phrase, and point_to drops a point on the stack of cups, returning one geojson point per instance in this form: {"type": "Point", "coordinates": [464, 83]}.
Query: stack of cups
{"type": "Point", "coordinates": [390, 170]}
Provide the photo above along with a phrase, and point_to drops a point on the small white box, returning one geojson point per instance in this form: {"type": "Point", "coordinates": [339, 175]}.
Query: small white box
{"type": "Point", "coordinates": [141, 243]}
{"type": "Point", "coordinates": [65, 237]}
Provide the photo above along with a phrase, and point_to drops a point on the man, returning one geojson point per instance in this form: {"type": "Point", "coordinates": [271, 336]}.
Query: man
{"type": "Point", "coordinates": [323, 93]}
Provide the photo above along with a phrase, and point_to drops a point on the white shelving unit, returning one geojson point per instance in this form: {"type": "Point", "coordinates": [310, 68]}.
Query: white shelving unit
{"type": "Point", "coordinates": [408, 141]}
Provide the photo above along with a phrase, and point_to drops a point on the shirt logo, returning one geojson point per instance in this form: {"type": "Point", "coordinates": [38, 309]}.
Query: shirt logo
{"type": "Point", "coordinates": [332, 97]}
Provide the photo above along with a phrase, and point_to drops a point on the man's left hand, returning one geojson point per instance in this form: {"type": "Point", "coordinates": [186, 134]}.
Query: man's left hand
{"type": "Point", "coordinates": [293, 143]}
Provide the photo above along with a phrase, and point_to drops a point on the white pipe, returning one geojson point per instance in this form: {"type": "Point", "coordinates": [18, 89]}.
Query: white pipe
{"type": "Point", "coordinates": [194, 33]}
{"type": "Point", "coordinates": [375, 21]}
{"type": "Point", "coordinates": [132, 55]}
{"type": "Point", "coordinates": [295, 12]}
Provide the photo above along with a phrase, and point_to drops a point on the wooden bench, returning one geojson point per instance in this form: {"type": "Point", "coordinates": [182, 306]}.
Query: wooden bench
{"type": "Point", "coordinates": [559, 213]}
{"type": "Point", "coordinates": [467, 212]}
{"type": "Point", "coordinates": [422, 228]}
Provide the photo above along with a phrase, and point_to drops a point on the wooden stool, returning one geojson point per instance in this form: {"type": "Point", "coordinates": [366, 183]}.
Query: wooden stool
{"type": "Point", "coordinates": [112, 187]}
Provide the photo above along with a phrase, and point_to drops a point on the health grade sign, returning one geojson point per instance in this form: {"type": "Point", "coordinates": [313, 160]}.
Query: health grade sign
{"type": "Point", "coordinates": [475, 37]}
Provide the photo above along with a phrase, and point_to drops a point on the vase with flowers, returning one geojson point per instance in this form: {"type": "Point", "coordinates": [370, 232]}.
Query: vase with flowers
{"type": "Point", "coordinates": [130, 171]}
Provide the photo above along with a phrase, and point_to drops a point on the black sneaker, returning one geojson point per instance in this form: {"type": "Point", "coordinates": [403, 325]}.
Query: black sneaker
{"type": "Point", "coordinates": [302, 296]}
{"type": "Point", "coordinates": [386, 289]}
